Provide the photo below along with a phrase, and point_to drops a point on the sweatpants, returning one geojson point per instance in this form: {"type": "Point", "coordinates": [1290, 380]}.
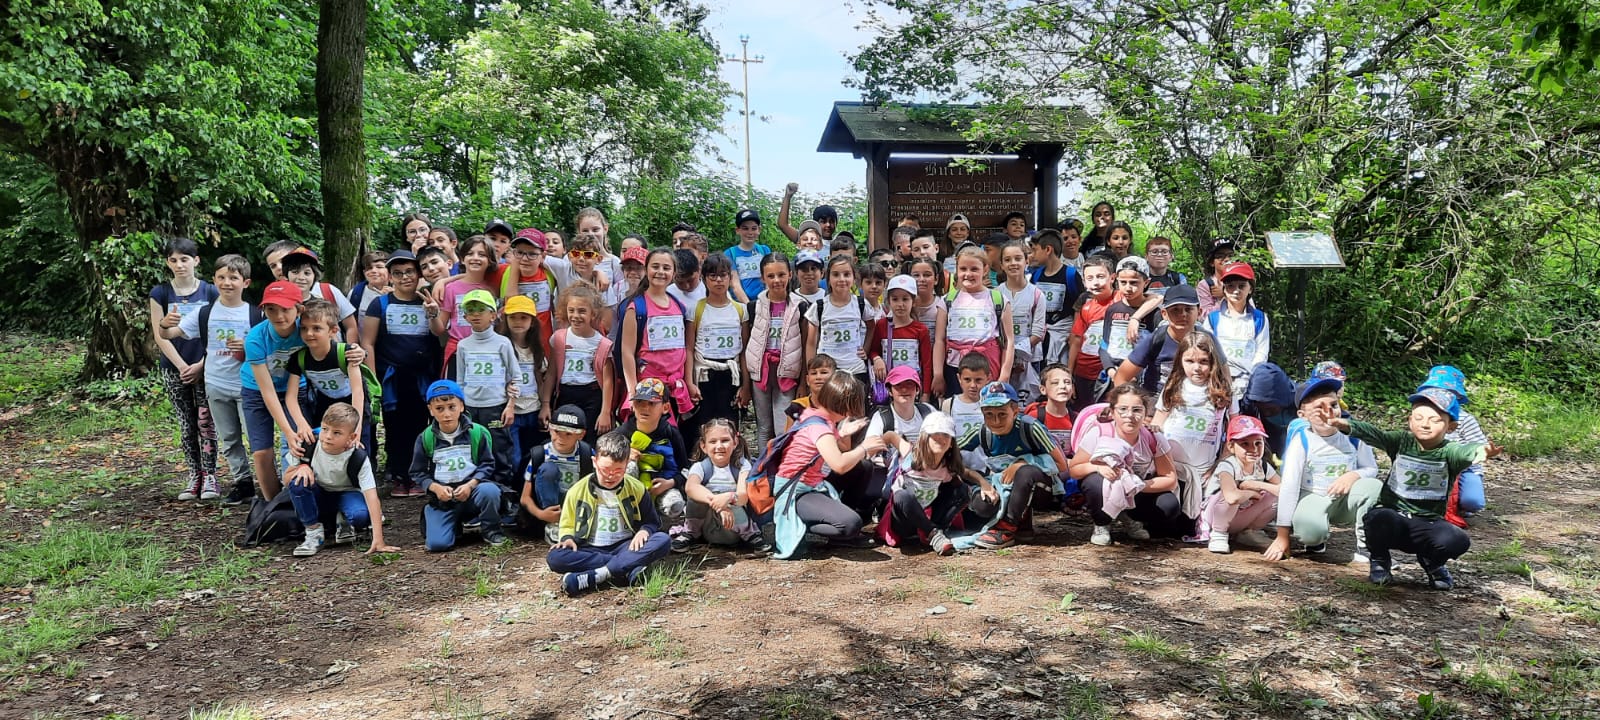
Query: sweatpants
{"type": "Point", "coordinates": [1023, 483]}
{"type": "Point", "coordinates": [227, 416]}
{"type": "Point", "coordinates": [1434, 541]}
{"type": "Point", "coordinates": [907, 516]}
{"type": "Point", "coordinates": [439, 518]}
{"type": "Point", "coordinates": [616, 557]}
{"type": "Point", "coordinates": [1160, 512]}
{"type": "Point", "coordinates": [500, 443]}
{"type": "Point", "coordinates": [198, 438]}
{"type": "Point", "coordinates": [770, 404]}
{"type": "Point", "coordinates": [1314, 514]}
{"type": "Point", "coordinates": [311, 500]}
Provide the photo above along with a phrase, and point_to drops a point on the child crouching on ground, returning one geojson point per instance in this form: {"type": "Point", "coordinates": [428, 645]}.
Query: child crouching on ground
{"type": "Point", "coordinates": [1410, 512]}
{"type": "Point", "coordinates": [556, 466]}
{"type": "Point", "coordinates": [609, 530]}
{"type": "Point", "coordinates": [718, 500]}
{"type": "Point", "coordinates": [453, 464]}
{"type": "Point", "coordinates": [1244, 487]}
{"type": "Point", "coordinates": [335, 472]}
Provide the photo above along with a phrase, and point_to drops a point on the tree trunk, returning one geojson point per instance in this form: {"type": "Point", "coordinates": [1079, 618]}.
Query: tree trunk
{"type": "Point", "coordinates": [341, 63]}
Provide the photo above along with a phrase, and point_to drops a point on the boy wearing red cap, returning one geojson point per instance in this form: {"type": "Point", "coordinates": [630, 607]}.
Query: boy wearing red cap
{"type": "Point", "coordinates": [264, 376]}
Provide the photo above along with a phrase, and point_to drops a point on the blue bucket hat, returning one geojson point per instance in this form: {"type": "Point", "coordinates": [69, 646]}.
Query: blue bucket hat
{"type": "Point", "coordinates": [1446, 377]}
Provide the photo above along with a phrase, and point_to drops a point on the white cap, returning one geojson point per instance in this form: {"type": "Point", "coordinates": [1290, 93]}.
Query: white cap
{"type": "Point", "coordinates": [939, 423]}
{"type": "Point", "coordinates": [902, 282]}
{"type": "Point", "coordinates": [1134, 263]}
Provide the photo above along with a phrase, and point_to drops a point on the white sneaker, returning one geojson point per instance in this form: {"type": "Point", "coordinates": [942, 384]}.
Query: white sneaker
{"type": "Point", "coordinates": [311, 544]}
{"type": "Point", "coordinates": [210, 490]}
{"type": "Point", "coordinates": [343, 533]}
{"type": "Point", "coordinates": [1219, 543]}
{"type": "Point", "coordinates": [1135, 530]}
{"type": "Point", "coordinates": [1360, 556]}
{"type": "Point", "coordinates": [1101, 536]}
{"type": "Point", "coordinates": [191, 491]}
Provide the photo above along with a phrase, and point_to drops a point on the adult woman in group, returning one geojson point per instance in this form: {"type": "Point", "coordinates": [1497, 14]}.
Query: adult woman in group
{"type": "Point", "coordinates": [1101, 218]}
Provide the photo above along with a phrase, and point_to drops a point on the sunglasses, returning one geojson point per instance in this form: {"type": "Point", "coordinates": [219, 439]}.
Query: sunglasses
{"type": "Point", "coordinates": [889, 263]}
{"type": "Point", "coordinates": [584, 254]}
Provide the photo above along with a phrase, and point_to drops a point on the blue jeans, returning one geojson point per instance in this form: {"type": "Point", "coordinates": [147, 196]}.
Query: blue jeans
{"type": "Point", "coordinates": [1471, 500]}
{"type": "Point", "coordinates": [439, 518]}
{"type": "Point", "coordinates": [526, 433]}
{"type": "Point", "coordinates": [616, 557]}
{"type": "Point", "coordinates": [309, 499]}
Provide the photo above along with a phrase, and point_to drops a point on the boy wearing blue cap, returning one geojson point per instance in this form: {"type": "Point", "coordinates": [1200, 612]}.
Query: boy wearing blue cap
{"type": "Point", "coordinates": [453, 462]}
{"type": "Point", "coordinates": [1410, 516]}
{"type": "Point", "coordinates": [1469, 498]}
{"type": "Point", "coordinates": [1014, 449]}
{"type": "Point", "coordinates": [1327, 477]}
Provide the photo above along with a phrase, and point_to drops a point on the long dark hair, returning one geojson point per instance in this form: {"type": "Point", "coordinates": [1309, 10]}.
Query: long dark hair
{"type": "Point", "coordinates": [1097, 236]}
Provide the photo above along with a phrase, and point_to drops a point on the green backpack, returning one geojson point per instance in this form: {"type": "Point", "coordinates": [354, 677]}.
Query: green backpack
{"type": "Point", "coordinates": [369, 380]}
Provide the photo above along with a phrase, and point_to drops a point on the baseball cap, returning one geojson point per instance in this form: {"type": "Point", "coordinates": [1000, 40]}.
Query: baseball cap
{"type": "Point", "coordinates": [1244, 426]}
{"type": "Point", "coordinates": [282, 293]}
{"type": "Point", "coordinates": [1439, 398]}
{"type": "Point", "coordinates": [400, 256]}
{"type": "Point", "coordinates": [570, 418]}
{"type": "Point", "coordinates": [1447, 377]}
{"type": "Point", "coordinates": [1315, 386]}
{"type": "Point", "coordinates": [478, 297]}
{"type": "Point", "coordinates": [1239, 270]}
{"type": "Point", "coordinates": [635, 254]}
{"type": "Point", "coordinates": [300, 256]}
{"type": "Point", "coordinates": [807, 225]}
{"type": "Point", "coordinates": [650, 390]}
{"type": "Point", "coordinates": [997, 238]}
{"type": "Point", "coordinates": [445, 388]}
{"type": "Point", "coordinates": [531, 236]}
{"type": "Point", "coordinates": [824, 212]}
{"type": "Point", "coordinates": [1136, 264]}
{"type": "Point", "coordinates": [1328, 369]}
{"type": "Point", "coordinates": [902, 373]}
{"type": "Point", "coordinates": [901, 282]}
{"type": "Point", "coordinates": [1180, 295]}
{"type": "Point", "coordinates": [938, 423]}
{"type": "Point", "coordinates": [499, 226]}
{"type": "Point", "coordinates": [521, 304]}
{"type": "Point", "coordinates": [807, 256]}
{"type": "Point", "coordinates": [1219, 246]}
{"type": "Point", "coordinates": [744, 215]}
{"type": "Point", "coordinates": [997, 394]}
{"type": "Point", "coordinates": [957, 218]}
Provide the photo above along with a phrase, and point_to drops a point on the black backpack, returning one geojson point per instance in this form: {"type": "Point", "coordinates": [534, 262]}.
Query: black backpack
{"type": "Point", "coordinates": [271, 521]}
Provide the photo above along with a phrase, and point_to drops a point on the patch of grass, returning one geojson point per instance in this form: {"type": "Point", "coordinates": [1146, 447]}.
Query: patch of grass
{"type": "Point", "coordinates": [1359, 586]}
{"type": "Point", "coordinates": [34, 367]}
{"type": "Point", "coordinates": [1543, 688]}
{"type": "Point", "coordinates": [452, 705]}
{"type": "Point", "coordinates": [223, 712]}
{"type": "Point", "coordinates": [1255, 695]}
{"type": "Point", "coordinates": [1152, 645]}
{"type": "Point", "coordinates": [485, 579]}
{"type": "Point", "coordinates": [657, 643]}
{"type": "Point", "coordinates": [1306, 617]}
{"type": "Point", "coordinates": [794, 706]}
{"type": "Point", "coordinates": [1531, 424]}
{"type": "Point", "coordinates": [873, 668]}
{"type": "Point", "coordinates": [1432, 707]}
{"type": "Point", "coordinates": [1082, 701]}
{"type": "Point", "coordinates": [383, 558]}
{"type": "Point", "coordinates": [47, 487]}
{"type": "Point", "coordinates": [1067, 600]}
{"type": "Point", "coordinates": [960, 584]}
{"type": "Point", "coordinates": [661, 581]}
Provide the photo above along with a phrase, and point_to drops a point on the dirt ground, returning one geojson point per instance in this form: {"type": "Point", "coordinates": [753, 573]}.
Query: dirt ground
{"type": "Point", "coordinates": [1052, 628]}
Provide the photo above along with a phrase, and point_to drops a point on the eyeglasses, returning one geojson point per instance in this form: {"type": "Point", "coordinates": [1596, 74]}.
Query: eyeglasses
{"type": "Point", "coordinates": [402, 274]}
{"type": "Point", "coordinates": [527, 254]}
{"type": "Point", "coordinates": [1137, 411]}
{"type": "Point", "coordinates": [584, 254]}
{"type": "Point", "coordinates": [1162, 252]}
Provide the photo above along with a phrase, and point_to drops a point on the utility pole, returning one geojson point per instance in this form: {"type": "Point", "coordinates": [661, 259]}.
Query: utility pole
{"type": "Point", "coordinates": [744, 59]}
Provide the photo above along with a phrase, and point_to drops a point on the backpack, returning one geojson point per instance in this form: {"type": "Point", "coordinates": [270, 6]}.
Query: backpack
{"type": "Point", "coordinates": [887, 414]}
{"type": "Point", "coordinates": [371, 386]}
{"type": "Point", "coordinates": [1090, 417]}
{"type": "Point", "coordinates": [328, 294]}
{"type": "Point", "coordinates": [205, 319]}
{"type": "Point", "coordinates": [1260, 319]}
{"type": "Point", "coordinates": [762, 495]}
{"type": "Point", "coordinates": [271, 521]}
{"type": "Point", "coordinates": [999, 300]}
{"type": "Point", "coordinates": [509, 285]}
{"type": "Point", "coordinates": [1074, 289]}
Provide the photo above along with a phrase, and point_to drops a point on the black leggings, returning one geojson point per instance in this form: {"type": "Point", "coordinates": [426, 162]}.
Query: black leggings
{"type": "Point", "coordinates": [1023, 482]}
{"type": "Point", "coordinates": [587, 398]}
{"type": "Point", "coordinates": [1163, 512]}
{"type": "Point", "coordinates": [1434, 542]}
{"type": "Point", "coordinates": [906, 515]}
{"type": "Point", "coordinates": [716, 401]}
{"type": "Point", "coordinates": [826, 516]}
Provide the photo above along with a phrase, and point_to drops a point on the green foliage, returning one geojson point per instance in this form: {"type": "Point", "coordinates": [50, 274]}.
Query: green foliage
{"type": "Point", "coordinates": [1566, 34]}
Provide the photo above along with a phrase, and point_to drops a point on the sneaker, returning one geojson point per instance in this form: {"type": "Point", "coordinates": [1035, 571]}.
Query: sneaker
{"type": "Point", "coordinates": [472, 526]}
{"type": "Point", "coordinates": [241, 492]}
{"type": "Point", "coordinates": [1101, 535]}
{"type": "Point", "coordinates": [1360, 555]}
{"type": "Point", "coordinates": [1439, 578]}
{"type": "Point", "coordinates": [1002, 535]}
{"type": "Point", "coordinates": [577, 583]}
{"type": "Point", "coordinates": [1378, 574]}
{"type": "Point", "coordinates": [759, 545]}
{"type": "Point", "coordinates": [343, 533]}
{"type": "Point", "coordinates": [857, 541]}
{"type": "Point", "coordinates": [1135, 530]}
{"type": "Point", "coordinates": [191, 492]}
{"type": "Point", "coordinates": [311, 544]}
{"type": "Point", "coordinates": [1318, 548]}
{"type": "Point", "coordinates": [1219, 543]}
{"type": "Point", "coordinates": [682, 543]}
{"type": "Point", "coordinates": [495, 538]}
{"type": "Point", "coordinates": [402, 487]}
{"type": "Point", "coordinates": [210, 490]}
{"type": "Point", "coordinates": [941, 544]}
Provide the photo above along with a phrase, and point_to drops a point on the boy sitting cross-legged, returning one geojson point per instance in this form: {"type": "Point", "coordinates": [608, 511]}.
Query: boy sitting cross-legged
{"type": "Point", "coordinates": [336, 472]}
{"type": "Point", "coordinates": [453, 463]}
{"type": "Point", "coordinates": [609, 530]}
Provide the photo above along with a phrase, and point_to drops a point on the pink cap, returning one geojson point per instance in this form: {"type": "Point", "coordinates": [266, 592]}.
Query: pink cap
{"type": "Point", "coordinates": [635, 254]}
{"type": "Point", "coordinates": [902, 373]}
{"type": "Point", "coordinates": [1243, 426]}
{"type": "Point", "coordinates": [531, 235]}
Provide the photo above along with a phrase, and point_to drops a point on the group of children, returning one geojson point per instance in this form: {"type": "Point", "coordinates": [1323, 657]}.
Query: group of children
{"type": "Point", "coordinates": [941, 392]}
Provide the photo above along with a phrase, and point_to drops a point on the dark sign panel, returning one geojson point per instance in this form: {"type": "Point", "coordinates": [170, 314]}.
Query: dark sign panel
{"type": "Point", "coordinates": [935, 188]}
